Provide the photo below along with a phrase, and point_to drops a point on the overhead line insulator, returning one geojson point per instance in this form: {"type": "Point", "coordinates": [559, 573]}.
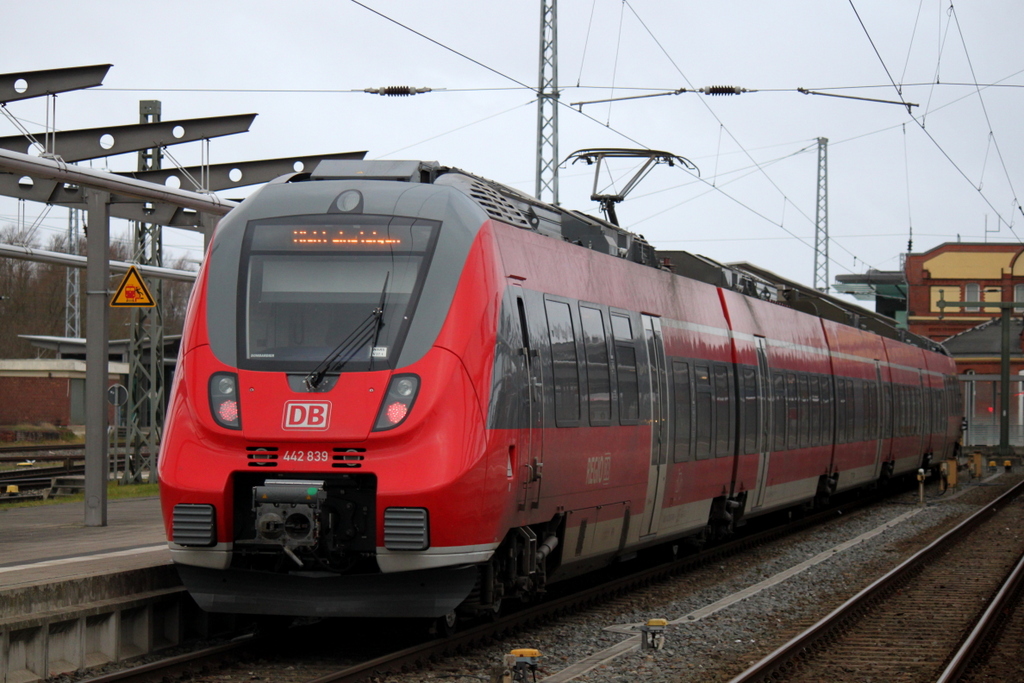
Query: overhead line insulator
{"type": "Point", "coordinates": [397, 91]}
{"type": "Point", "coordinates": [723, 90]}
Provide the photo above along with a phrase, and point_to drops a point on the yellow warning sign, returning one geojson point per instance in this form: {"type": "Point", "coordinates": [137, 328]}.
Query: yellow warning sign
{"type": "Point", "coordinates": [132, 292]}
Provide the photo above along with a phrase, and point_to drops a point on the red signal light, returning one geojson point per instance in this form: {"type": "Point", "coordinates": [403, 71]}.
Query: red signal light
{"type": "Point", "coordinates": [228, 411]}
{"type": "Point", "coordinates": [396, 412]}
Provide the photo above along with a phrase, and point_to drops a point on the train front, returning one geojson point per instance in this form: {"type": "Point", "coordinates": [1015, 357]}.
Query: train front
{"type": "Point", "coordinates": [324, 447]}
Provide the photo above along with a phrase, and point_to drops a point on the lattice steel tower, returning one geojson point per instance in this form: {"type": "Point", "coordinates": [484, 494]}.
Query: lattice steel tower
{"type": "Point", "coordinates": [547, 105]}
{"type": "Point", "coordinates": [146, 350]}
{"type": "Point", "coordinates": [821, 221]}
{"type": "Point", "coordinates": [72, 286]}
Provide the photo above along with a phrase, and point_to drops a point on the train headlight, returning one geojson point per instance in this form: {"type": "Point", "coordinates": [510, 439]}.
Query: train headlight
{"type": "Point", "coordinates": [224, 400]}
{"type": "Point", "coordinates": [398, 402]}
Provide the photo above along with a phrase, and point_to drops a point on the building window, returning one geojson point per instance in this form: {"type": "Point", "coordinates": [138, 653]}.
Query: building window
{"type": "Point", "coordinates": [1018, 293]}
{"type": "Point", "coordinates": [972, 292]}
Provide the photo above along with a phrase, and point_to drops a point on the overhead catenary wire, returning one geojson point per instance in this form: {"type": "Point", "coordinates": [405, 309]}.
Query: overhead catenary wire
{"type": "Point", "coordinates": [738, 144]}
{"type": "Point", "coordinates": [935, 142]}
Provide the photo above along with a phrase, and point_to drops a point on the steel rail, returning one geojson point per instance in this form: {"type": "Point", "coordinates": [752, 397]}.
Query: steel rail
{"type": "Point", "coordinates": [416, 654]}
{"type": "Point", "coordinates": [775, 662]}
{"type": "Point", "coordinates": [413, 655]}
{"type": "Point", "coordinates": [1008, 594]}
{"type": "Point", "coordinates": [165, 669]}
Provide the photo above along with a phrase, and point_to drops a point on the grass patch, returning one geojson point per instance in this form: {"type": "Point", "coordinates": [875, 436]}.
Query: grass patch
{"type": "Point", "coordinates": [114, 492]}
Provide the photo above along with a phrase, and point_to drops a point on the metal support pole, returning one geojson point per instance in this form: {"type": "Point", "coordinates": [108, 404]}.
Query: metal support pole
{"type": "Point", "coordinates": [97, 315]}
{"type": "Point", "coordinates": [1004, 386]}
{"type": "Point", "coordinates": [1006, 308]}
{"type": "Point", "coordinates": [821, 282]}
{"type": "Point", "coordinates": [547, 104]}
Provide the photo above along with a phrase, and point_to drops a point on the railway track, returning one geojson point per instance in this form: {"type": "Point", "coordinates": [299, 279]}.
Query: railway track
{"type": "Point", "coordinates": [908, 625]}
{"type": "Point", "coordinates": [47, 462]}
{"type": "Point", "coordinates": [365, 662]}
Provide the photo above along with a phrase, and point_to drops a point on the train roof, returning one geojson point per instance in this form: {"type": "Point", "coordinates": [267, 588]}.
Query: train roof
{"type": "Point", "coordinates": [517, 208]}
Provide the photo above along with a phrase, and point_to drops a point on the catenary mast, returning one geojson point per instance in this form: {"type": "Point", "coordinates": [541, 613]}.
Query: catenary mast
{"type": "Point", "coordinates": [547, 105]}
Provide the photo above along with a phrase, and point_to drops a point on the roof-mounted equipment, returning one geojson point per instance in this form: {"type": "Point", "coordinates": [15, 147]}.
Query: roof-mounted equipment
{"type": "Point", "coordinates": [653, 157]}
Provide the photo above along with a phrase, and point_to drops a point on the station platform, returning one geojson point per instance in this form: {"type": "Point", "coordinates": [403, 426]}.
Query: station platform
{"type": "Point", "coordinates": [73, 596]}
{"type": "Point", "coordinates": [50, 543]}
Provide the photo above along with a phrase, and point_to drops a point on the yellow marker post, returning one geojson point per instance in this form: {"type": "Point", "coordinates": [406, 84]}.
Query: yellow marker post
{"type": "Point", "coordinates": [132, 292]}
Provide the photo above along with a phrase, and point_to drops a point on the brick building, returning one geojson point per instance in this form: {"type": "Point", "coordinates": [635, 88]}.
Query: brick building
{"type": "Point", "coordinates": [961, 272]}
{"type": "Point", "coordinates": [48, 391]}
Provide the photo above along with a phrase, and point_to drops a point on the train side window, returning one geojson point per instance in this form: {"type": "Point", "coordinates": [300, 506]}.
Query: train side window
{"type": "Point", "coordinates": [705, 410]}
{"type": "Point", "coordinates": [621, 328]}
{"type": "Point", "coordinates": [626, 370]}
{"type": "Point", "coordinates": [598, 378]}
{"type": "Point", "coordinates": [897, 391]}
{"type": "Point", "coordinates": [629, 393]}
{"type": "Point", "coordinates": [748, 398]}
{"type": "Point", "coordinates": [681, 411]}
{"type": "Point", "coordinates": [565, 370]}
{"type": "Point", "coordinates": [841, 408]}
{"type": "Point", "coordinates": [792, 412]}
{"type": "Point", "coordinates": [814, 384]}
{"type": "Point", "coordinates": [854, 405]}
{"type": "Point", "coordinates": [904, 410]}
{"type": "Point", "coordinates": [779, 411]}
{"type": "Point", "coordinates": [724, 432]}
{"type": "Point", "coordinates": [884, 409]}
{"type": "Point", "coordinates": [805, 410]}
{"type": "Point", "coordinates": [826, 410]}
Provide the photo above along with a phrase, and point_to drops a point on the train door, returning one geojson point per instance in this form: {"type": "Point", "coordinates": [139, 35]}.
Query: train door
{"type": "Point", "coordinates": [531, 436]}
{"type": "Point", "coordinates": [888, 421]}
{"type": "Point", "coordinates": [878, 428]}
{"type": "Point", "coordinates": [764, 420]}
{"type": "Point", "coordinates": [658, 410]}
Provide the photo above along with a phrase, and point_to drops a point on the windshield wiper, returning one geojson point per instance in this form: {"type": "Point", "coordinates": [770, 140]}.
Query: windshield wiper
{"type": "Point", "coordinates": [368, 330]}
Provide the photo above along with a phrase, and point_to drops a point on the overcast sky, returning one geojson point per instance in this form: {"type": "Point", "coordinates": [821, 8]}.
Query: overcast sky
{"type": "Point", "coordinates": [302, 66]}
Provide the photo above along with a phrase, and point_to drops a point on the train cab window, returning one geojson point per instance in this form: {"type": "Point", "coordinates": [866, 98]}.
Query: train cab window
{"type": "Point", "coordinates": [748, 410]}
{"type": "Point", "coordinates": [681, 411]}
{"type": "Point", "coordinates": [723, 411]}
{"type": "Point", "coordinates": [565, 371]}
{"type": "Point", "coordinates": [705, 410]}
{"type": "Point", "coordinates": [598, 378]}
{"type": "Point", "coordinates": [779, 411]}
{"type": "Point", "coordinates": [625, 370]}
{"type": "Point", "coordinates": [792, 412]}
{"type": "Point", "coordinates": [310, 283]}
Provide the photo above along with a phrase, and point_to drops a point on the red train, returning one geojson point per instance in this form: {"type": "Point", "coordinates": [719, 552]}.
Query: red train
{"type": "Point", "coordinates": [405, 390]}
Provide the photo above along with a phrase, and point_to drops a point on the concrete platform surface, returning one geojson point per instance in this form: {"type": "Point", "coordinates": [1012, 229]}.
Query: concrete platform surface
{"type": "Point", "coordinates": [50, 543]}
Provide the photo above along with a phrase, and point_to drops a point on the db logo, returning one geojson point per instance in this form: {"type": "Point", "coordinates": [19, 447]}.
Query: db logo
{"type": "Point", "coordinates": [305, 415]}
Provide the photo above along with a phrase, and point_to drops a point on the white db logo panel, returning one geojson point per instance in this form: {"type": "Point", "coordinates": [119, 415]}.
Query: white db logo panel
{"type": "Point", "coordinates": [307, 414]}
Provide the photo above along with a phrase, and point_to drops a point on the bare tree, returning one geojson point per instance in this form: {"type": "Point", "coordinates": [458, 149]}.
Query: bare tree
{"type": "Point", "coordinates": [34, 295]}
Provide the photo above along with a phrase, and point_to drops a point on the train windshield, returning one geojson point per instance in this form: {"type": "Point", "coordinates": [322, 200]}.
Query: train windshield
{"type": "Point", "coordinates": [311, 283]}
